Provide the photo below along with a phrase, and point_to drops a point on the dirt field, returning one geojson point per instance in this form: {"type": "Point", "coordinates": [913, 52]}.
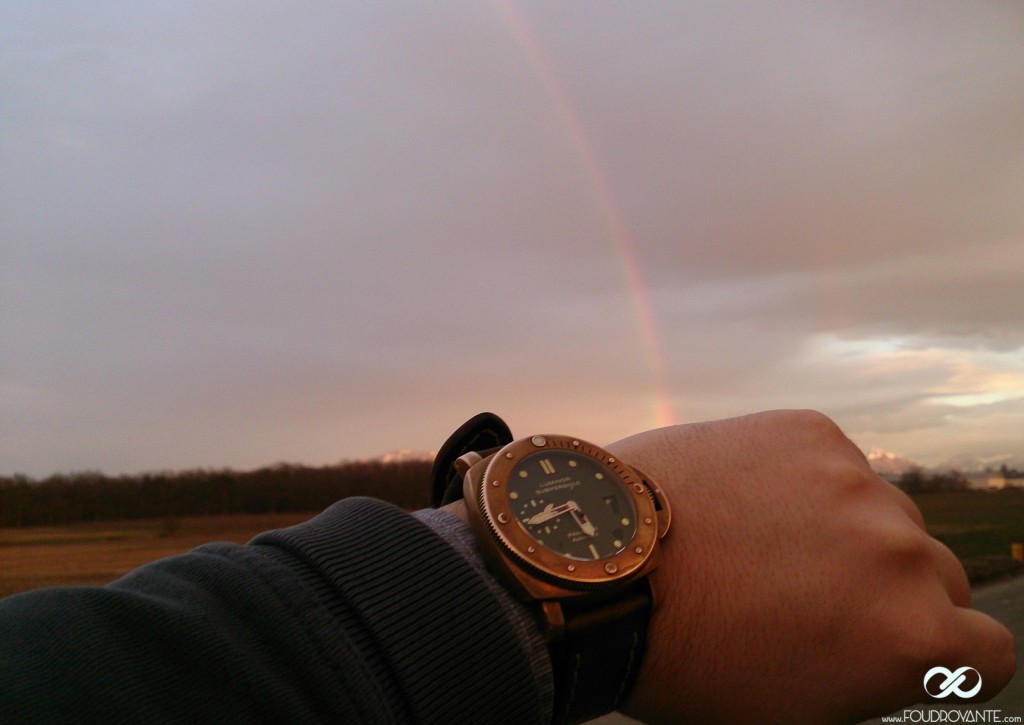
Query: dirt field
{"type": "Point", "coordinates": [98, 553]}
{"type": "Point", "coordinates": [979, 527]}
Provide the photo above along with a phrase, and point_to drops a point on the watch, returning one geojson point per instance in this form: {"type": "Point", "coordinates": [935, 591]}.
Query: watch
{"type": "Point", "coordinates": [573, 530]}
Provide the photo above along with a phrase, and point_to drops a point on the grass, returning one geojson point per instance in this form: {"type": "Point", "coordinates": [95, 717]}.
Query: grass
{"type": "Point", "coordinates": [978, 526]}
{"type": "Point", "coordinates": [98, 553]}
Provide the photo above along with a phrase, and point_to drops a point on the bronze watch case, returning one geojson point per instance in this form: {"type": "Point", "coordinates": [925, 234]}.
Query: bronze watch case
{"type": "Point", "coordinates": [536, 572]}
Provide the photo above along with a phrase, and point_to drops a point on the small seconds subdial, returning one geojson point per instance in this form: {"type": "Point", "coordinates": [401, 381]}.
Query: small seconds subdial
{"type": "Point", "coordinates": [572, 504]}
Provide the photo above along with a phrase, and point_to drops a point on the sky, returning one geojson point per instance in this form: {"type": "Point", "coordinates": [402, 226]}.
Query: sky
{"type": "Point", "coordinates": [239, 233]}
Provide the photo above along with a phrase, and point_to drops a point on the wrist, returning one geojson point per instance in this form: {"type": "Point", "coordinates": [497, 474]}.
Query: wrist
{"type": "Point", "coordinates": [572, 532]}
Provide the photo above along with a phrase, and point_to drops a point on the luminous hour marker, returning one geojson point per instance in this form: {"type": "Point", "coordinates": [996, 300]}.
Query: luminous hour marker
{"type": "Point", "coordinates": [572, 464]}
{"type": "Point", "coordinates": [513, 495]}
{"type": "Point", "coordinates": [545, 465]}
{"type": "Point", "coordinates": [599, 476]}
{"type": "Point", "coordinates": [593, 550]}
{"type": "Point", "coordinates": [523, 474]}
{"type": "Point", "coordinates": [617, 543]}
{"type": "Point", "coordinates": [625, 522]}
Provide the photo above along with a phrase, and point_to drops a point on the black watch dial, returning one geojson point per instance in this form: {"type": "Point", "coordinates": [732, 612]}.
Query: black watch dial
{"type": "Point", "coordinates": [572, 504]}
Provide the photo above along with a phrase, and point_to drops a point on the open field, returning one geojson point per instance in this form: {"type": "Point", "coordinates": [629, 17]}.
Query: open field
{"type": "Point", "coordinates": [979, 527]}
{"type": "Point", "coordinates": [98, 553]}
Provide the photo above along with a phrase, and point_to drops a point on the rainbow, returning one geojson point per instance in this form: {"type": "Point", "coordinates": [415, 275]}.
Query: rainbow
{"type": "Point", "coordinates": [618, 232]}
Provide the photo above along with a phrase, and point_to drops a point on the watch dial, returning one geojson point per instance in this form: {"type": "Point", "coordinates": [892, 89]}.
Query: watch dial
{"type": "Point", "coordinates": [572, 504]}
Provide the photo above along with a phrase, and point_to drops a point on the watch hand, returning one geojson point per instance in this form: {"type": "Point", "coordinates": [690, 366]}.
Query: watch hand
{"type": "Point", "coordinates": [551, 512]}
{"type": "Point", "coordinates": [583, 522]}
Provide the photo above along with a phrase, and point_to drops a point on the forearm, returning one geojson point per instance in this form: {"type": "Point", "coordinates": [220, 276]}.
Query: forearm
{"type": "Point", "coordinates": [348, 617]}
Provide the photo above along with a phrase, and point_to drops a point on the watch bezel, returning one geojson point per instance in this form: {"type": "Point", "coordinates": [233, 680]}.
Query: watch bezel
{"type": "Point", "coordinates": [497, 513]}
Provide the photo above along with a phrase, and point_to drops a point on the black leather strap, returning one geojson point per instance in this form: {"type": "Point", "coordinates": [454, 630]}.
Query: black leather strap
{"type": "Point", "coordinates": [481, 433]}
{"type": "Point", "coordinates": [597, 660]}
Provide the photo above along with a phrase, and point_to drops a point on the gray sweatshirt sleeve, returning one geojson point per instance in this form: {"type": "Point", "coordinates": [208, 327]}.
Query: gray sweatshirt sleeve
{"type": "Point", "coordinates": [363, 614]}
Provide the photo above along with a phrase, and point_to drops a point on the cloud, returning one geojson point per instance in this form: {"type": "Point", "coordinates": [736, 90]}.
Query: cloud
{"type": "Point", "coordinates": [234, 236]}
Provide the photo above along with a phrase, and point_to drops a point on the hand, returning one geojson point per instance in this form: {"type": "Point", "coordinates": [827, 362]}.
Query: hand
{"type": "Point", "coordinates": [582, 521]}
{"type": "Point", "coordinates": [553, 512]}
{"type": "Point", "coordinates": [796, 585]}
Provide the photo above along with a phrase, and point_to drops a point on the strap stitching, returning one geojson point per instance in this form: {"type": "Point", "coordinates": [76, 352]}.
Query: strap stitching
{"type": "Point", "coordinates": [629, 670]}
{"type": "Point", "coordinates": [578, 659]}
{"type": "Point", "coordinates": [623, 684]}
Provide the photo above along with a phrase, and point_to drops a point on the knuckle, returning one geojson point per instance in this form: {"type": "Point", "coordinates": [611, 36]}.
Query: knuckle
{"type": "Point", "coordinates": [823, 434]}
{"type": "Point", "coordinates": [849, 484]}
{"type": "Point", "coordinates": [892, 547]}
{"type": "Point", "coordinates": [907, 548]}
{"type": "Point", "coordinates": [814, 422]}
{"type": "Point", "coordinates": [849, 478]}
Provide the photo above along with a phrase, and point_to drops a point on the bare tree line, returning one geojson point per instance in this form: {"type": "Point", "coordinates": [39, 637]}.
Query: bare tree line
{"type": "Point", "coordinates": [93, 496]}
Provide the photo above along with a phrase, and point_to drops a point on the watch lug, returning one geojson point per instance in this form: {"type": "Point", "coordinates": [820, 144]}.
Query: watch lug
{"type": "Point", "coordinates": [553, 620]}
{"type": "Point", "coordinates": [465, 462]}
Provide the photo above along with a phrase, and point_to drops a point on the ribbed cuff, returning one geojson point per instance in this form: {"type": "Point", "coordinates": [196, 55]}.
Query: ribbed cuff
{"type": "Point", "coordinates": [425, 616]}
{"type": "Point", "coordinates": [453, 530]}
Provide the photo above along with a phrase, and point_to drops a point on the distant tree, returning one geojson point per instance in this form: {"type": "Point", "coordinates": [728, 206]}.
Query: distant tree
{"type": "Point", "coordinates": [916, 480]}
{"type": "Point", "coordinates": [912, 480]}
{"type": "Point", "coordinates": [1008, 472]}
{"type": "Point", "coordinates": [91, 496]}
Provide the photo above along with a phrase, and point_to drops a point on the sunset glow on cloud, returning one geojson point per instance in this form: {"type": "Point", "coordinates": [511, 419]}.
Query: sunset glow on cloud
{"type": "Point", "coordinates": [231, 236]}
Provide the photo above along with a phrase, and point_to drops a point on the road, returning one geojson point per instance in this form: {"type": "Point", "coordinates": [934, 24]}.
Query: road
{"type": "Point", "coordinates": [1004, 601]}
